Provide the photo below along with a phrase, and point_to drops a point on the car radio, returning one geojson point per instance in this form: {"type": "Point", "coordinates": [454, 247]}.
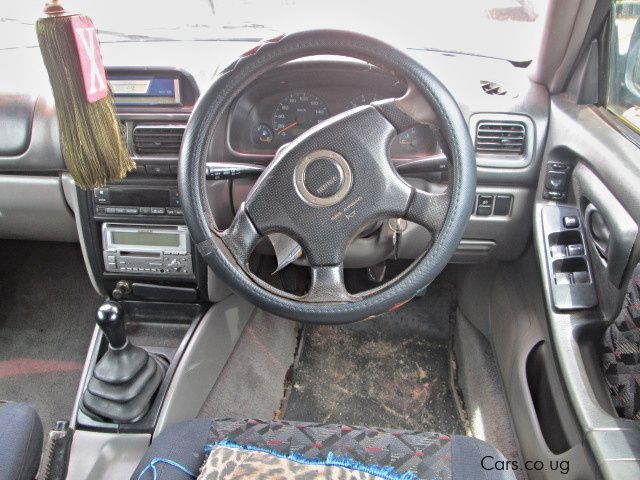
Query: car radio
{"type": "Point", "coordinates": [151, 249]}
{"type": "Point", "coordinates": [137, 201]}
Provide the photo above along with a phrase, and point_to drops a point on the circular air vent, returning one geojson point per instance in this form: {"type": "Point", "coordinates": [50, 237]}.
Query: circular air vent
{"type": "Point", "coordinates": [492, 88]}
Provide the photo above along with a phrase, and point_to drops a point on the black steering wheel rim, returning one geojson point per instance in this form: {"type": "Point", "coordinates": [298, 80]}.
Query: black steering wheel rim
{"type": "Point", "coordinates": [233, 80]}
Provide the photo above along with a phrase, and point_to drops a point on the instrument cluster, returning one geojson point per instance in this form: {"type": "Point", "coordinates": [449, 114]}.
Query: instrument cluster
{"type": "Point", "coordinates": [276, 111]}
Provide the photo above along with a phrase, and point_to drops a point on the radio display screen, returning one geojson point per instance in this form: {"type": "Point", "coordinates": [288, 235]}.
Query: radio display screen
{"type": "Point", "coordinates": [144, 197]}
{"type": "Point", "coordinates": [140, 90]}
{"type": "Point", "coordinates": [152, 239]}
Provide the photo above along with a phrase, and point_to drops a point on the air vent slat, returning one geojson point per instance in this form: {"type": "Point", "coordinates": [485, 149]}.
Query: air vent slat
{"type": "Point", "coordinates": [492, 88]}
{"type": "Point", "coordinates": [516, 137]}
{"type": "Point", "coordinates": [501, 138]}
{"type": "Point", "coordinates": [158, 138]}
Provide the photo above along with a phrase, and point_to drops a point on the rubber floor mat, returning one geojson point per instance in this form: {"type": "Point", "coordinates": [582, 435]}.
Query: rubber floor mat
{"type": "Point", "coordinates": [392, 371]}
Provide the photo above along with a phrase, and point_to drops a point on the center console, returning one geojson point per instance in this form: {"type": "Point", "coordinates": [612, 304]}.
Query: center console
{"type": "Point", "coordinates": [136, 243]}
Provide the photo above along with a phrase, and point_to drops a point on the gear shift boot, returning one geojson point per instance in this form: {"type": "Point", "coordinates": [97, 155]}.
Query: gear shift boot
{"type": "Point", "coordinates": [126, 378]}
{"type": "Point", "coordinates": [126, 403]}
{"type": "Point", "coordinates": [120, 366]}
{"type": "Point", "coordinates": [123, 391]}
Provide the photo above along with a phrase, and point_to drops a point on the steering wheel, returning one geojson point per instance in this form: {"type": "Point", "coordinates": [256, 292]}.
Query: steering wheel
{"type": "Point", "coordinates": [332, 181]}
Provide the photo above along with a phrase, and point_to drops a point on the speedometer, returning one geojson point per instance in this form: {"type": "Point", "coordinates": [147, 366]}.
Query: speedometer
{"type": "Point", "coordinates": [296, 113]}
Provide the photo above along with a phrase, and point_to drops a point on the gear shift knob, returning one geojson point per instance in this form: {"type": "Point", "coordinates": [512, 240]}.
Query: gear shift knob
{"type": "Point", "coordinates": [110, 319]}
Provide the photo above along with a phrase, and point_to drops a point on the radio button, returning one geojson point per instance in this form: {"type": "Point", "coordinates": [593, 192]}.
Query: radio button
{"type": "Point", "coordinates": [138, 170]}
{"type": "Point", "coordinates": [158, 170]}
{"type": "Point", "coordinates": [101, 195]}
{"type": "Point", "coordinates": [120, 211]}
{"type": "Point", "coordinates": [157, 211]}
{"type": "Point", "coordinates": [132, 211]}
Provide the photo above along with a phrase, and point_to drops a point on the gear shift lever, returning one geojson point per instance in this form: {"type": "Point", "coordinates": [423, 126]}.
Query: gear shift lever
{"type": "Point", "coordinates": [110, 319]}
{"type": "Point", "coordinates": [126, 378]}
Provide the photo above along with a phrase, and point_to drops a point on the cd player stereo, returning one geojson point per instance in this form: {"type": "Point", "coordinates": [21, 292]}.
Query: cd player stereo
{"type": "Point", "coordinates": [136, 200]}
{"type": "Point", "coordinates": [150, 249]}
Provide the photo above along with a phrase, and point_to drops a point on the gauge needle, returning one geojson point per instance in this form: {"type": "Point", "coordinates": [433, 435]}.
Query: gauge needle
{"type": "Point", "coordinates": [291, 125]}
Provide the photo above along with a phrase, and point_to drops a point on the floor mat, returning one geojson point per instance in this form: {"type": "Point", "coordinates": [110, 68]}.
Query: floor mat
{"type": "Point", "coordinates": [483, 394]}
{"type": "Point", "coordinates": [389, 372]}
{"type": "Point", "coordinates": [47, 311]}
{"type": "Point", "coordinates": [252, 382]}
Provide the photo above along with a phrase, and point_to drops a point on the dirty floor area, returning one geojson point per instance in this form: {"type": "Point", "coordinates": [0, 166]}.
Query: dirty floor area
{"type": "Point", "coordinates": [47, 317]}
{"type": "Point", "coordinates": [389, 372]}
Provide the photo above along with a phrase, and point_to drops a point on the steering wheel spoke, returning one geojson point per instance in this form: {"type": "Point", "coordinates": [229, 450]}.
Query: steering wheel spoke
{"type": "Point", "coordinates": [327, 284]}
{"type": "Point", "coordinates": [407, 111]}
{"type": "Point", "coordinates": [428, 209]}
{"type": "Point", "coordinates": [241, 237]}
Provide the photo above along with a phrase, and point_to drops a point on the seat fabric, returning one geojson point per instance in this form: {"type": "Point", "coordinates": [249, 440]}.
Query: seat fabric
{"type": "Point", "coordinates": [179, 452]}
{"type": "Point", "coordinates": [20, 441]}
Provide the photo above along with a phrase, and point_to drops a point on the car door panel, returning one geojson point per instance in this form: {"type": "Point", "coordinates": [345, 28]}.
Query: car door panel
{"type": "Point", "coordinates": [603, 188]}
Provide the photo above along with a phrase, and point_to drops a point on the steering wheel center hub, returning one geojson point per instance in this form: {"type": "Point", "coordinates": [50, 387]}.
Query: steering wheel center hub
{"type": "Point", "coordinates": [323, 178]}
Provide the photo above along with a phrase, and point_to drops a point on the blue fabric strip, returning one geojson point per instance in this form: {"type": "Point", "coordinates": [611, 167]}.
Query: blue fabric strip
{"type": "Point", "coordinates": [152, 466]}
{"type": "Point", "coordinates": [387, 473]}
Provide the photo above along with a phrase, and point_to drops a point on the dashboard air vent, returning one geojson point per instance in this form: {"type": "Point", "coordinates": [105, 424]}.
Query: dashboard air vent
{"type": "Point", "coordinates": [492, 88]}
{"type": "Point", "coordinates": [501, 138]}
{"type": "Point", "coordinates": [123, 127]}
{"type": "Point", "coordinates": [157, 138]}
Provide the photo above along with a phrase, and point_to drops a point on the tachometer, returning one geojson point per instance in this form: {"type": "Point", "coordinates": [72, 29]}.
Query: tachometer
{"type": "Point", "coordinates": [296, 113]}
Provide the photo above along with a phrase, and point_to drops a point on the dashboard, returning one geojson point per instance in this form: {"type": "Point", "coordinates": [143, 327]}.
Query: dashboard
{"type": "Point", "coordinates": [154, 103]}
{"type": "Point", "coordinates": [283, 105]}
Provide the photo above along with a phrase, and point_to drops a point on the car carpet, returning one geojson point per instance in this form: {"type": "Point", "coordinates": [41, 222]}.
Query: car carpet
{"type": "Point", "coordinates": [47, 312]}
{"type": "Point", "coordinates": [480, 384]}
{"type": "Point", "coordinates": [392, 371]}
{"type": "Point", "coordinates": [252, 382]}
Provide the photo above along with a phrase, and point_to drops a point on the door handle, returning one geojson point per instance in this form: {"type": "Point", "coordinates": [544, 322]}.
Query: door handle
{"type": "Point", "coordinates": [599, 230]}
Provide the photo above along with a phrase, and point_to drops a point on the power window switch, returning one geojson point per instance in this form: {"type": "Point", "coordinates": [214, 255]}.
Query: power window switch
{"type": "Point", "coordinates": [571, 221]}
{"type": "Point", "coordinates": [576, 249]}
{"type": "Point", "coordinates": [581, 277]}
{"type": "Point", "coordinates": [563, 278]}
{"type": "Point", "coordinates": [558, 251]}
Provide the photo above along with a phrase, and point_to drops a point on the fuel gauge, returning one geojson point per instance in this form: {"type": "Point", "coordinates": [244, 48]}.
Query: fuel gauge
{"type": "Point", "coordinates": [263, 134]}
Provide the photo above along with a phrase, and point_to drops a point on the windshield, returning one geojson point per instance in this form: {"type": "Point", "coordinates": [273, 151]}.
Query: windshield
{"type": "Point", "coordinates": [508, 29]}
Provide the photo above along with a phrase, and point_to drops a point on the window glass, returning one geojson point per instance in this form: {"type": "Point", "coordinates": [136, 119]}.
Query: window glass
{"type": "Point", "coordinates": [623, 92]}
{"type": "Point", "coordinates": [509, 29]}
